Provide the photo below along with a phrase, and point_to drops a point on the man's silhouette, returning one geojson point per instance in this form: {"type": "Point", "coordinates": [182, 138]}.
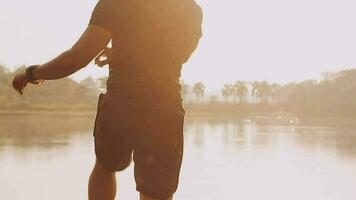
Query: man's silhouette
{"type": "Point", "coordinates": [141, 116]}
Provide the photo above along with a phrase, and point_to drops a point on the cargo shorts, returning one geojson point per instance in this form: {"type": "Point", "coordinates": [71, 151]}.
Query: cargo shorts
{"type": "Point", "coordinates": [153, 139]}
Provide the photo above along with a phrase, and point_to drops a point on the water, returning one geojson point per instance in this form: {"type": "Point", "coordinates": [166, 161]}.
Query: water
{"type": "Point", "coordinates": [259, 158]}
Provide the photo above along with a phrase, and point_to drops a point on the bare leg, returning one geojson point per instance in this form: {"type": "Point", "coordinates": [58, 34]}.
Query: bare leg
{"type": "Point", "coordinates": [143, 197]}
{"type": "Point", "coordinates": [102, 184]}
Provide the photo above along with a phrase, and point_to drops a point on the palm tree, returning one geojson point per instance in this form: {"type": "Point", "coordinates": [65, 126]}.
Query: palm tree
{"type": "Point", "coordinates": [241, 90]}
{"type": "Point", "coordinates": [275, 90]}
{"type": "Point", "coordinates": [261, 91]}
{"type": "Point", "coordinates": [255, 92]}
{"type": "Point", "coordinates": [199, 90]}
{"type": "Point", "coordinates": [234, 93]}
{"type": "Point", "coordinates": [227, 91]}
{"type": "Point", "coordinates": [264, 91]}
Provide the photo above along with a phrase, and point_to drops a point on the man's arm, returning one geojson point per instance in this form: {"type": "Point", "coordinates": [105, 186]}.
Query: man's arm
{"type": "Point", "coordinates": [93, 40]}
{"type": "Point", "coordinates": [90, 44]}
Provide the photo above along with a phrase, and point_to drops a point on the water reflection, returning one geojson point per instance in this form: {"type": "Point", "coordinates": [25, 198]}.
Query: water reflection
{"type": "Point", "coordinates": [41, 131]}
{"type": "Point", "coordinates": [27, 138]}
{"type": "Point", "coordinates": [269, 132]}
{"type": "Point", "coordinates": [250, 158]}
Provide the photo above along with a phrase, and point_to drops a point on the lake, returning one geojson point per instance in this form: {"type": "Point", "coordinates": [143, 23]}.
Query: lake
{"type": "Point", "coordinates": [248, 158]}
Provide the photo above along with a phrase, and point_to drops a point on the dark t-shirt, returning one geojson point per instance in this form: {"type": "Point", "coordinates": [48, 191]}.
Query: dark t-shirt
{"type": "Point", "coordinates": [151, 41]}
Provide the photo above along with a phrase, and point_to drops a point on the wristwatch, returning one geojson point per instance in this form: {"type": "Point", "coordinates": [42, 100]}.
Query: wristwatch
{"type": "Point", "coordinates": [29, 74]}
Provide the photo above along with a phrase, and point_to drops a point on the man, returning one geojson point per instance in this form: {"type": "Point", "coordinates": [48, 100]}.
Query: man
{"type": "Point", "coordinates": [141, 115]}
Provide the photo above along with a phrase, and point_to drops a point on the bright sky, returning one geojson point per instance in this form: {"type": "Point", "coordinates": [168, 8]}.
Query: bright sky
{"type": "Point", "coordinates": [275, 40]}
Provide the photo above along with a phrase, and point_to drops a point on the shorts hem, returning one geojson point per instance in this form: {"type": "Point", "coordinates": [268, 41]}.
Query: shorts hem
{"type": "Point", "coordinates": [154, 196]}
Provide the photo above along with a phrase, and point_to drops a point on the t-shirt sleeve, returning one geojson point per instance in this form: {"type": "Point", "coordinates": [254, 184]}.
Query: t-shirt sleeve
{"type": "Point", "coordinates": [103, 15]}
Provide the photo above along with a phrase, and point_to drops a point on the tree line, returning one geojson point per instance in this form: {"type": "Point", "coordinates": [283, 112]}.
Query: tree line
{"type": "Point", "coordinates": [334, 95]}
{"type": "Point", "coordinates": [238, 92]}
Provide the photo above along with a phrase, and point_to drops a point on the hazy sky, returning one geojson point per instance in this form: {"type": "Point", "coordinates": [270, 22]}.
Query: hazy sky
{"type": "Point", "coordinates": [274, 40]}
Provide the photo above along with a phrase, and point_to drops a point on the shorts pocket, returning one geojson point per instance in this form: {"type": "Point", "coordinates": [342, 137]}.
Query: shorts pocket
{"type": "Point", "coordinates": [98, 112]}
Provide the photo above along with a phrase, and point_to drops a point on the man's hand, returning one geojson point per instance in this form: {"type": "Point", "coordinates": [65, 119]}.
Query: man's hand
{"type": "Point", "coordinates": [104, 57]}
{"type": "Point", "coordinates": [20, 82]}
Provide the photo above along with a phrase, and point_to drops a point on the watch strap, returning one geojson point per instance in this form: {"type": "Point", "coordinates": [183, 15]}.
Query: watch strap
{"type": "Point", "coordinates": [29, 73]}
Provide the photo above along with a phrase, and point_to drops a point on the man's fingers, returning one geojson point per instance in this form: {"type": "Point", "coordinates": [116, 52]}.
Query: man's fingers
{"type": "Point", "coordinates": [104, 57]}
{"type": "Point", "coordinates": [98, 58]}
{"type": "Point", "coordinates": [101, 63]}
{"type": "Point", "coordinates": [20, 90]}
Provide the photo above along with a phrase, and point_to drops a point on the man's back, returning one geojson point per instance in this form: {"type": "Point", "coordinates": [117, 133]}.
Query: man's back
{"type": "Point", "coordinates": [151, 41]}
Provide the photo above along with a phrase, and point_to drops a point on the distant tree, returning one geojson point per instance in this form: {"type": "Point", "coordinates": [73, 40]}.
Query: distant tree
{"type": "Point", "coordinates": [275, 89]}
{"type": "Point", "coordinates": [234, 93]}
{"type": "Point", "coordinates": [227, 91]}
{"type": "Point", "coordinates": [102, 82]}
{"type": "Point", "coordinates": [254, 91]}
{"type": "Point", "coordinates": [90, 83]}
{"type": "Point", "coordinates": [300, 97]}
{"type": "Point", "coordinates": [261, 91]}
{"type": "Point", "coordinates": [199, 90]}
{"type": "Point", "coordinates": [241, 90]}
{"type": "Point", "coordinates": [264, 91]}
{"type": "Point", "coordinates": [4, 74]}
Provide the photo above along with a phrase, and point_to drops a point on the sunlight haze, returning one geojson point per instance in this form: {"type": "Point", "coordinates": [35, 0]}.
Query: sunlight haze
{"type": "Point", "coordinates": [278, 41]}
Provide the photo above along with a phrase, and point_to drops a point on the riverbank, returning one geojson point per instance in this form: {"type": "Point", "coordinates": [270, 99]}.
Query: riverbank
{"type": "Point", "coordinates": [275, 118]}
{"type": "Point", "coordinates": [208, 110]}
